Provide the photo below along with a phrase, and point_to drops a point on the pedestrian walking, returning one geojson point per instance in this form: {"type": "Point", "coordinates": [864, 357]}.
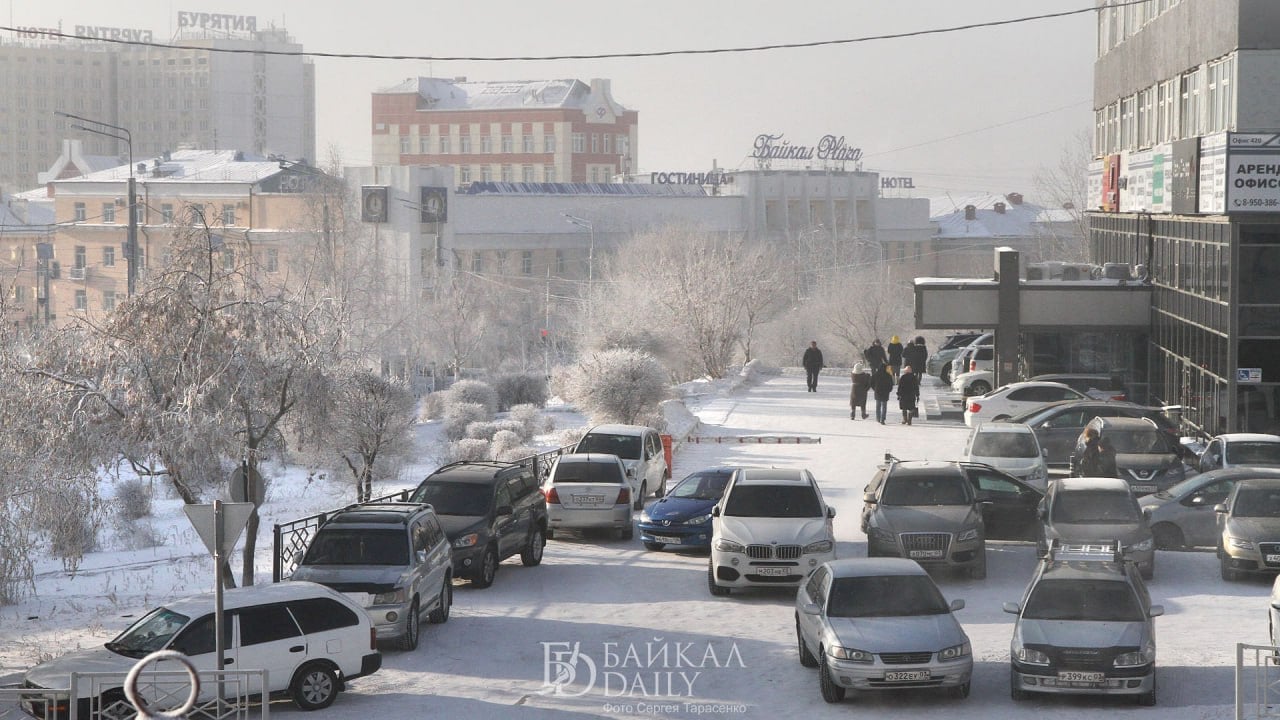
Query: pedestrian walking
{"type": "Point", "coordinates": [875, 357]}
{"type": "Point", "coordinates": [812, 362]}
{"type": "Point", "coordinates": [894, 350]}
{"type": "Point", "coordinates": [858, 395]}
{"type": "Point", "coordinates": [881, 387]}
{"type": "Point", "coordinates": [908, 394]}
{"type": "Point", "coordinates": [917, 356]}
{"type": "Point", "coordinates": [1098, 458]}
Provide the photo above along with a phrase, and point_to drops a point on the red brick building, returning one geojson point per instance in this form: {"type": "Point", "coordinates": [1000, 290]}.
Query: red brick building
{"type": "Point", "coordinates": [525, 131]}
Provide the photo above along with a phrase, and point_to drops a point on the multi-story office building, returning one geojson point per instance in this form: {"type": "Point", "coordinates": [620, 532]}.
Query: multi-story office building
{"type": "Point", "coordinates": [549, 131]}
{"type": "Point", "coordinates": [214, 93]}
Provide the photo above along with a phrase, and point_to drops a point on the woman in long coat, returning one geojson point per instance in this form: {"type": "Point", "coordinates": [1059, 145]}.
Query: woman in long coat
{"type": "Point", "coordinates": [908, 394]}
{"type": "Point", "coordinates": [858, 395]}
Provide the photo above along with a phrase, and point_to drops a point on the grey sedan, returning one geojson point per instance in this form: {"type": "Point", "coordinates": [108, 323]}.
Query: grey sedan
{"type": "Point", "coordinates": [1183, 516]}
{"type": "Point", "coordinates": [880, 624]}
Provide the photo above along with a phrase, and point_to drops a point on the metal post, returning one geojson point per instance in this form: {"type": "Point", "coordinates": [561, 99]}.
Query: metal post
{"type": "Point", "coordinates": [132, 240]}
{"type": "Point", "coordinates": [219, 645]}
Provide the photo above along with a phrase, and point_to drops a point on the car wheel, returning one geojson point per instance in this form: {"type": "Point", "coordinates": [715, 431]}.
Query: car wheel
{"type": "Point", "coordinates": [532, 553]}
{"type": "Point", "coordinates": [111, 704]}
{"type": "Point", "coordinates": [831, 692]}
{"type": "Point", "coordinates": [662, 489]}
{"type": "Point", "coordinates": [639, 501]}
{"type": "Point", "coordinates": [653, 546]}
{"type": "Point", "coordinates": [314, 687]}
{"type": "Point", "coordinates": [978, 571]}
{"type": "Point", "coordinates": [1229, 573]}
{"type": "Point", "coordinates": [1148, 699]}
{"type": "Point", "coordinates": [979, 387]}
{"type": "Point", "coordinates": [1168, 537]}
{"type": "Point", "coordinates": [409, 640]}
{"type": "Point", "coordinates": [945, 376]}
{"type": "Point", "coordinates": [715, 589]}
{"type": "Point", "coordinates": [806, 658]}
{"type": "Point", "coordinates": [488, 568]}
{"type": "Point", "coordinates": [1016, 693]}
{"type": "Point", "coordinates": [960, 692]}
{"type": "Point", "coordinates": [551, 534]}
{"type": "Point", "coordinates": [440, 615]}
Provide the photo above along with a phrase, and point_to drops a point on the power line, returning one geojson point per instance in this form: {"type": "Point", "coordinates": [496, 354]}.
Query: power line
{"type": "Point", "coordinates": [983, 129]}
{"type": "Point", "coordinates": [599, 56]}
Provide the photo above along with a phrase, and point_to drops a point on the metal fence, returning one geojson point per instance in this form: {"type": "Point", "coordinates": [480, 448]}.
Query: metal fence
{"type": "Point", "coordinates": [99, 695]}
{"type": "Point", "coordinates": [1257, 682]}
{"type": "Point", "coordinates": [290, 539]}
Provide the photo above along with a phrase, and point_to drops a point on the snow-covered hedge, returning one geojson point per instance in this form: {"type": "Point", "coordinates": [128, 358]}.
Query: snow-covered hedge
{"type": "Point", "coordinates": [474, 391]}
{"type": "Point", "coordinates": [457, 416]}
{"type": "Point", "coordinates": [520, 389]}
{"type": "Point", "coordinates": [614, 385]}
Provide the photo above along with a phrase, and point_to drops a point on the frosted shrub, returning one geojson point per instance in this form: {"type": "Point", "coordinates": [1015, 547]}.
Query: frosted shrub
{"type": "Point", "coordinates": [504, 441]}
{"type": "Point", "coordinates": [138, 536]}
{"type": "Point", "coordinates": [432, 406]}
{"type": "Point", "coordinates": [74, 531]}
{"type": "Point", "coordinates": [520, 389]}
{"type": "Point", "coordinates": [459, 415]}
{"type": "Point", "coordinates": [474, 391]}
{"type": "Point", "coordinates": [485, 430]}
{"type": "Point", "coordinates": [133, 499]}
{"type": "Point", "coordinates": [615, 385]}
{"type": "Point", "coordinates": [467, 449]}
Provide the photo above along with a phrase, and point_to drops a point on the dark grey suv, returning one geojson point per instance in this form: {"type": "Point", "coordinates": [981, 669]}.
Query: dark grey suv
{"type": "Point", "coordinates": [1146, 457]}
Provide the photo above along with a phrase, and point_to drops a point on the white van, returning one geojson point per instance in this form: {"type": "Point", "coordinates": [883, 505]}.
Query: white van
{"type": "Point", "coordinates": [640, 449]}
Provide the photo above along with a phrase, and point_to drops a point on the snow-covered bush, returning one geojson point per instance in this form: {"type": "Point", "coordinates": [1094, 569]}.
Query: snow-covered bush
{"type": "Point", "coordinates": [138, 535]}
{"type": "Point", "coordinates": [504, 441]}
{"type": "Point", "coordinates": [614, 385]}
{"type": "Point", "coordinates": [466, 449]}
{"type": "Point", "coordinates": [474, 391]}
{"type": "Point", "coordinates": [74, 531]}
{"type": "Point", "coordinates": [459, 415]}
{"type": "Point", "coordinates": [486, 430]}
{"type": "Point", "coordinates": [532, 421]}
{"type": "Point", "coordinates": [133, 499]}
{"type": "Point", "coordinates": [520, 389]}
{"type": "Point", "coordinates": [570, 436]}
{"type": "Point", "coordinates": [432, 406]}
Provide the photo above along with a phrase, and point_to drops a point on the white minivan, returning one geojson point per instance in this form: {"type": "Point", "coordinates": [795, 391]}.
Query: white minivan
{"type": "Point", "coordinates": [641, 452]}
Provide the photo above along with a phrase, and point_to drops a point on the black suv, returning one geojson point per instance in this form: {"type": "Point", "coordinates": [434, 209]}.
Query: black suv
{"type": "Point", "coordinates": [491, 510]}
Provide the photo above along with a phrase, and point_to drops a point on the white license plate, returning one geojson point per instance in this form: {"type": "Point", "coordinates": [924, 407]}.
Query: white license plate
{"type": "Point", "coordinates": [773, 571]}
{"type": "Point", "coordinates": [588, 499]}
{"type": "Point", "coordinates": [667, 539]}
{"type": "Point", "coordinates": [1273, 559]}
{"type": "Point", "coordinates": [1093, 677]}
{"type": "Point", "coordinates": [925, 554]}
{"type": "Point", "coordinates": [906, 676]}
{"type": "Point", "coordinates": [1144, 488]}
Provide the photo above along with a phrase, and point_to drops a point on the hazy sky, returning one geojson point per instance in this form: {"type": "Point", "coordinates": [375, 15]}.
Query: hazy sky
{"type": "Point", "coordinates": [883, 96]}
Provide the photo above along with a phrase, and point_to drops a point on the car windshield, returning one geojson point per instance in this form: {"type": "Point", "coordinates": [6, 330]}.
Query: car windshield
{"type": "Point", "coordinates": [926, 491]}
{"type": "Point", "coordinates": [885, 596]}
{"type": "Point", "coordinates": [151, 633]}
{"type": "Point", "coordinates": [626, 447]}
{"type": "Point", "coordinates": [779, 501]}
{"type": "Point", "coordinates": [701, 486]}
{"type": "Point", "coordinates": [1005, 444]}
{"type": "Point", "coordinates": [1253, 453]}
{"type": "Point", "coordinates": [341, 546]}
{"type": "Point", "coordinates": [1257, 502]}
{"type": "Point", "coordinates": [1101, 507]}
{"type": "Point", "coordinates": [1141, 442]}
{"type": "Point", "coordinates": [1093, 600]}
{"type": "Point", "coordinates": [586, 472]}
{"type": "Point", "coordinates": [450, 498]}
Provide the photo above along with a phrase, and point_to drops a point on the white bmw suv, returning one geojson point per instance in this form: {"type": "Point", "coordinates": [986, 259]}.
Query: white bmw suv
{"type": "Point", "coordinates": [771, 528]}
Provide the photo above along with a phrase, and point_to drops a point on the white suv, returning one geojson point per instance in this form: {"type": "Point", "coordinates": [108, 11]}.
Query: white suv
{"type": "Point", "coordinates": [771, 528]}
{"type": "Point", "coordinates": [642, 454]}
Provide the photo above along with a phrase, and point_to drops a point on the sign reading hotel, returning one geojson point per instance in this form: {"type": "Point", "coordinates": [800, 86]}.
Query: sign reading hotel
{"type": "Point", "coordinates": [217, 21]}
{"type": "Point", "coordinates": [829, 147]}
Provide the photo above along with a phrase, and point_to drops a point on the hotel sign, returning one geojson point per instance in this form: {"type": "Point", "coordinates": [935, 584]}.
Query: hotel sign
{"type": "Point", "coordinates": [829, 147]}
{"type": "Point", "coordinates": [98, 32]}
{"type": "Point", "coordinates": [714, 177]}
{"type": "Point", "coordinates": [217, 21]}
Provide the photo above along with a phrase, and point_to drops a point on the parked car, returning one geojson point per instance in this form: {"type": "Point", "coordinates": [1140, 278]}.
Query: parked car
{"type": "Point", "coordinates": [1014, 398]}
{"type": "Point", "coordinates": [1084, 627]}
{"type": "Point", "coordinates": [1010, 507]}
{"type": "Point", "coordinates": [980, 355]}
{"type": "Point", "coordinates": [880, 624]}
{"type": "Point", "coordinates": [588, 491]}
{"type": "Point", "coordinates": [1010, 447]}
{"type": "Point", "coordinates": [682, 517]}
{"type": "Point", "coordinates": [1147, 458]}
{"type": "Point", "coordinates": [1236, 449]}
{"type": "Point", "coordinates": [641, 452]}
{"type": "Point", "coordinates": [978, 382]}
{"type": "Point", "coordinates": [1097, 510]}
{"type": "Point", "coordinates": [1273, 613]}
{"type": "Point", "coordinates": [1099, 386]}
{"type": "Point", "coordinates": [771, 528]}
{"type": "Point", "coordinates": [310, 639]}
{"type": "Point", "coordinates": [939, 362]}
{"type": "Point", "coordinates": [491, 511]}
{"type": "Point", "coordinates": [925, 511]}
{"type": "Point", "coordinates": [1248, 526]}
{"type": "Point", "coordinates": [1183, 516]}
{"type": "Point", "coordinates": [1058, 425]}
{"type": "Point", "coordinates": [392, 558]}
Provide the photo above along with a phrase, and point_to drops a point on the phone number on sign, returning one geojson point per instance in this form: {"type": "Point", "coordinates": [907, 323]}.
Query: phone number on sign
{"type": "Point", "coordinates": [1256, 202]}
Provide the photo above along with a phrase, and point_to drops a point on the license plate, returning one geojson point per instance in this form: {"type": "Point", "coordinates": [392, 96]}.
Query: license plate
{"type": "Point", "coordinates": [906, 676]}
{"type": "Point", "coordinates": [1273, 559]}
{"type": "Point", "coordinates": [925, 554]}
{"type": "Point", "coordinates": [667, 539]}
{"type": "Point", "coordinates": [773, 571]}
{"type": "Point", "coordinates": [1144, 488]}
{"type": "Point", "coordinates": [1093, 677]}
{"type": "Point", "coordinates": [588, 499]}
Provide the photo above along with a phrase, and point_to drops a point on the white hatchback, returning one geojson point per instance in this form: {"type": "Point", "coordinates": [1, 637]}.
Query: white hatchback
{"type": "Point", "coordinates": [1006, 401]}
{"type": "Point", "coordinates": [1011, 448]}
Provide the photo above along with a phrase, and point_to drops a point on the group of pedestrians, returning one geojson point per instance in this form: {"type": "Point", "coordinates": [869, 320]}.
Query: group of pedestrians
{"type": "Point", "coordinates": [884, 369]}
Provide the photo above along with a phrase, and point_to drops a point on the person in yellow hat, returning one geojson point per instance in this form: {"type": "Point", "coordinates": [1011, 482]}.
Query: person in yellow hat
{"type": "Point", "coordinates": [895, 355]}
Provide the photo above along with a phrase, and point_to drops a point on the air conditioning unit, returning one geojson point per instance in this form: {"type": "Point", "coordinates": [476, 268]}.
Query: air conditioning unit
{"type": "Point", "coordinates": [75, 273]}
{"type": "Point", "coordinates": [1116, 271]}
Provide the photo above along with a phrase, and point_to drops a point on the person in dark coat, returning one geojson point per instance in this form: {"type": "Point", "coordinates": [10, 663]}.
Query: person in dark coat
{"type": "Point", "coordinates": [858, 395]}
{"type": "Point", "coordinates": [881, 387]}
{"type": "Point", "coordinates": [812, 362]}
{"type": "Point", "coordinates": [894, 349]}
{"type": "Point", "coordinates": [908, 394]}
{"type": "Point", "coordinates": [875, 357]}
{"type": "Point", "coordinates": [916, 355]}
{"type": "Point", "coordinates": [1098, 458]}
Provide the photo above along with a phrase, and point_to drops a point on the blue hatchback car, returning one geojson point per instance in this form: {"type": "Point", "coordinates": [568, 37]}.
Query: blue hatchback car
{"type": "Point", "coordinates": [683, 517]}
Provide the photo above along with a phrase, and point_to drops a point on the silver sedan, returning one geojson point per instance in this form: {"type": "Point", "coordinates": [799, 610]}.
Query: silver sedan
{"type": "Point", "coordinates": [1183, 516]}
{"type": "Point", "coordinates": [880, 624]}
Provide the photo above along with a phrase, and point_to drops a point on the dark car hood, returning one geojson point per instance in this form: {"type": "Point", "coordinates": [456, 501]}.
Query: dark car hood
{"type": "Point", "coordinates": [1146, 461]}
{"type": "Point", "coordinates": [669, 508]}
{"type": "Point", "coordinates": [1125, 533]}
{"type": "Point", "coordinates": [456, 525]}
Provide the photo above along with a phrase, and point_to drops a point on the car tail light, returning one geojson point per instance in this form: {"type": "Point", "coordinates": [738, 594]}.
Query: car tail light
{"type": "Point", "coordinates": [1119, 396]}
{"type": "Point", "coordinates": [553, 497]}
{"type": "Point", "coordinates": [624, 497]}
{"type": "Point", "coordinates": [974, 408]}
{"type": "Point", "coordinates": [973, 366]}
{"type": "Point", "coordinates": [373, 638]}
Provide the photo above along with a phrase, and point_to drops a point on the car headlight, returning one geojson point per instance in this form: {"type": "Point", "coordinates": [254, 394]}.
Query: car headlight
{"type": "Point", "coordinates": [724, 545]}
{"type": "Point", "coordinates": [699, 520]}
{"type": "Point", "coordinates": [955, 651]}
{"type": "Point", "coordinates": [1145, 656]}
{"type": "Point", "coordinates": [467, 540]}
{"type": "Point", "coordinates": [881, 536]}
{"type": "Point", "coordinates": [1143, 546]}
{"type": "Point", "coordinates": [843, 653]}
{"type": "Point", "coordinates": [394, 597]}
{"type": "Point", "coordinates": [1240, 543]}
{"type": "Point", "coordinates": [644, 516]}
{"type": "Point", "coordinates": [970, 534]}
{"type": "Point", "coordinates": [822, 546]}
{"type": "Point", "coordinates": [1031, 657]}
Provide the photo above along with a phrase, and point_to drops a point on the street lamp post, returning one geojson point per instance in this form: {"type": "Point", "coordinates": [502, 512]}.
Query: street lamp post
{"type": "Point", "coordinates": [131, 243]}
{"type": "Point", "coordinates": [591, 256]}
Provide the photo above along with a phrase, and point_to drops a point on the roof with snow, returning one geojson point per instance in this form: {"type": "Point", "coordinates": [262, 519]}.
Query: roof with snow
{"type": "Point", "coordinates": [444, 94]}
{"type": "Point", "coordinates": [18, 214]}
{"type": "Point", "coordinates": [1016, 219]}
{"type": "Point", "coordinates": [192, 166]}
{"type": "Point", "coordinates": [513, 188]}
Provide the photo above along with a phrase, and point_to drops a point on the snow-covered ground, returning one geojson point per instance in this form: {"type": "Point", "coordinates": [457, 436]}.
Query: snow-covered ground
{"type": "Point", "coordinates": [660, 645]}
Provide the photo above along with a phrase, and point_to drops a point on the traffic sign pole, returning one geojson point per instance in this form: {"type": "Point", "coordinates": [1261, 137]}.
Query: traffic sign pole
{"type": "Point", "coordinates": [219, 642]}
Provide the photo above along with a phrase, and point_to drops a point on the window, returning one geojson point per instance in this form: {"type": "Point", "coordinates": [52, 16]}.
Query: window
{"type": "Point", "coordinates": [166, 213]}
{"type": "Point", "coordinates": [197, 638]}
{"type": "Point", "coordinates": [228, 259]}
{"type": "Point", "coordinates": [549, 174]}
{"type": "Point", "coordinates": [608, 143]}
{"type": "Point", "coordinates": [508, 144]}
{"type": "Point", "coordinates": [273, 260]}
{"type": "Point", "coordinates": [595, 143]}
{"type": "Point", "coordinates": [82, 300]}
{"type": "Point", "coordinates": [486, 173]}
{"type": "Point", "coordinates": [266, 623]}
{"type": "Point", "coordinates": [464, 174]}
{"type": "Point", "coordinates": [579, 143]}
{"type": "Point", "coordinates": [527, 143]}
{"type": "Point", "coordinates": [228, 214]}
{"type": "Point", "coordinates": [477, 261]}
{"type": "Point", "coordinates": [444, 145]}
{"type": "Point", "coordinates": [108, 300]}
{"type": "Point", "coordinates": [80, 214]}
{"type": "Point", "coordinates": [624, 145]}
{"type": "Point", "coordinates": [508, 174]}
{"type": "Point", "coordinates": [526, 262]}
{"type": "Point", "coordinates": [548, 143]}
{"type": "Point", "coordinates": [526, 173]}
{"type": "Point", "coordinates": [424, 144]}
{"type": "Point", "coordinates": [320, 614]}
{"type": "Point", "coordinates": [486, 144]}
{"type": "Point", "coordinates": [594, 174]}
{"type": "Point", "coordinates": [404, 144]}
{"type": "Point", "coordinates": [19, 293]}
{"type": "Point", "coordinates": [464, 144]}
{"type": "Point", "coordinates": [81, 256]}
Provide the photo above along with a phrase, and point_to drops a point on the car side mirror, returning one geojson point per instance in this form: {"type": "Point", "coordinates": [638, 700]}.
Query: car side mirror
{"type": "Point", "coordinates": [869, 498]}
{"type": "Point", "coordinates": [810, 608]}
{"type": "Point", "coordinates": [503, 510]}
{"type": "Point", "coordinates": [1156, 611]}
{"type": "Point", "coordinates": [956, 604]}
{"type": "Point", "coordinates": [1011, 608]}
{"type": "Point", "coordinates": [1220, 508]}
{"type": "Point", "coordinates": [831, 512]}
{"type": "Point", "coordinates": [1044, 452]}
{"type": "Point", "coordinates": [1042, 513]}
{"type": "Point", "coordinates": [1146, 513]}
{"type": "Point", "coordinates": [631, 472]}
{"type": "Point", "coordinates": [422, 556]}
{"type": "Point", "coordinates": [715, 511]}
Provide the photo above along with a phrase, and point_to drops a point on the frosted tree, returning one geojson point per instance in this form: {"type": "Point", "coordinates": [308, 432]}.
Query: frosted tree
{"type": "Point", "coordinates": [614, 385]}
{"type": "Point", "coordinates": [369, 428]}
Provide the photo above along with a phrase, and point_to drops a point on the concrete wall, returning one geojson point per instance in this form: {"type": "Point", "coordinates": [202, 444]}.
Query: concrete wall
{"type": "Point", "coordinates": [1258, 76]}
